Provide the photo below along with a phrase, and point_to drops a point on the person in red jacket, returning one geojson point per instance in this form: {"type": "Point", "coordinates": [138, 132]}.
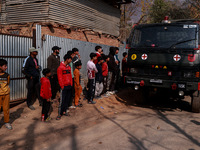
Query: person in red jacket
{"type": "Point", "coordinates": [45, 93]}
{"type": "Point", "coordinates": [105, 72]}
{"type": "Point", "coordinates": [98, 53]}
{"type": "Point", "coordinates": [65, 82]}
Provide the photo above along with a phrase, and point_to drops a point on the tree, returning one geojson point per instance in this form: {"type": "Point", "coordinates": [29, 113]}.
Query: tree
{"type": "Point", "coordinates": [174, 9]}
{"type": "Point", "coordinates": [127, 11]}
{"type": "Point", "coordinates": [130, 11]}
{"type": "Point", "coordinates": [158, 11]}
{"type": "Point", "coordinates": [194, 6]}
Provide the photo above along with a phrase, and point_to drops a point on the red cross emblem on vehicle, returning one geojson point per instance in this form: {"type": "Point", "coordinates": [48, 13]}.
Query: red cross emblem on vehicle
{"type": "Point", "coordinates": [144, 56]}
{"type": "Point", "coordinates": [177, 57]}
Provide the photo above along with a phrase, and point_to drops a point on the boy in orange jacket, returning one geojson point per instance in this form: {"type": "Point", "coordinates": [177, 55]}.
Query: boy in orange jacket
{"type": "Point", "coordinates": [45, 93]}
{"type": "Point", "coordinates": [77, 83]}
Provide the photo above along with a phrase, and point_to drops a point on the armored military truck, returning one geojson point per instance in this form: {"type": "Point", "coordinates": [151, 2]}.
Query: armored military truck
{"type": "Point", "coordinates": [166, 56]}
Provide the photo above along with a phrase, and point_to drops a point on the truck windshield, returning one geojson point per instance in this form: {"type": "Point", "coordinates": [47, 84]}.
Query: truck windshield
{"type": "Point", "coordinates": [165, 36]}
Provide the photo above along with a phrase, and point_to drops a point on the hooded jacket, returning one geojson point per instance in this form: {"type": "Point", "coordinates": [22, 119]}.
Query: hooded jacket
{"type": "Point", "coordinates": [64, 75]}
{"type": "Point", "coordinates": [29, 68]}
{"type": "Point", "coordinates": [45, 90]}
{"type": "Point", "coordinates": [112, 66]}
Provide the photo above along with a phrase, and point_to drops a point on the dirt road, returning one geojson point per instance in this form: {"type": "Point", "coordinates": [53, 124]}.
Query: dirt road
{"type": "Point", "coordinates": [117, 122]}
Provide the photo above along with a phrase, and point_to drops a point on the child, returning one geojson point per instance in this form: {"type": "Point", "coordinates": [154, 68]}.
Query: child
{"type": "Point", "coordinates": [45, 93]}
{"type": "Point", "coordinates": [99, 78]}
{"type": "Point", "coordinates": [65, 82]}
{"type": "Point", "coordinates": [5, 92]}
{"type": "Point", "coordinates": [124, 64]}
{"type": "Point", "coordinates": [77, 85]}
{"type": "Point", "coordinates": [98, 50]}
{"type": "Point", "coordinates": [105, 72]}
{"type": "Point", "coordinates": [91, 70]}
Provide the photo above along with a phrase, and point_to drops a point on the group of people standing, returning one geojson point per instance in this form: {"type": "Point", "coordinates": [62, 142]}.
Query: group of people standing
{"type": "Point", "coordinates": [64, 77]}
{"type": "Point", "coordinates": [104, 73]}
{"type": "Point", "coordinates": [58, 76]}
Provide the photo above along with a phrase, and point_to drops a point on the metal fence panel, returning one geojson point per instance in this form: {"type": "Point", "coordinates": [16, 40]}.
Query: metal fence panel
{"type": "Point", "coordinates": [85, 48]}
{"type": "Point", "coordinates": [15, 49]}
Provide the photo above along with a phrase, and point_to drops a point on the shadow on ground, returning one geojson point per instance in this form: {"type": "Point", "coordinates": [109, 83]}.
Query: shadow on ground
{"type": "Point", "coordinates": [161, 101]}
{"type": "Point", "coordinates": [13, 116]}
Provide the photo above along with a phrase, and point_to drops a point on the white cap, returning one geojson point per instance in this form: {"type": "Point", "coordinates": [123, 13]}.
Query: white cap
{"type": "Point", "coordinates": [32, 49]}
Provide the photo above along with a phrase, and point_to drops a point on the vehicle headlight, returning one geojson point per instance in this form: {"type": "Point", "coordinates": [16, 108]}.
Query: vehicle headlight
{"type": "Point", "coordinates": [133, 70]}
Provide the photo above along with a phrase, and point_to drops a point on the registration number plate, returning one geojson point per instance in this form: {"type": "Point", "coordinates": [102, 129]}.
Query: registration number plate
{"type": "Point", "coordinates": [155, 81]}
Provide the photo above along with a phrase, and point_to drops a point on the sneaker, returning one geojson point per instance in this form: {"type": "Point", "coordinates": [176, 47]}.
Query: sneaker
{"type": "Point", "coordinates": [72, 107]}
{"type": "Point", "coordinates": [67, 111]}
{"type": "Point", "coordinates": [31, 107]}
{"type": "Point", "coordinates": [48, 119]}
{"type": "Point", "coordinates": [109, 92]}
{"type": "Point", "coordinates": [91, 102]}
{"type": "Point", "coordinates": [106, 95]}
{"type": "Point", "coordinates": [8, 126]}
{"type": "Point", "coordinates": [112, 92]}
{"type": "Point", "coordinates": [66, 114]}
{"type": "Point", "coordinates": [58, 117]}
{"type": "Point", "coordinates": [98, 97]}
{"type": "Point", "coordinates": [79, 105]}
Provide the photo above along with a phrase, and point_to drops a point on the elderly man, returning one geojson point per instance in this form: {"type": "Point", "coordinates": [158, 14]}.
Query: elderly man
{"type": "Point", "coordinates": [31, 69]}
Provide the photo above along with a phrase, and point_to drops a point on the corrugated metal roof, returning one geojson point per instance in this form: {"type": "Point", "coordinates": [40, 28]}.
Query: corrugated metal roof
{"type": "Point", "coordinates": [92, 14]}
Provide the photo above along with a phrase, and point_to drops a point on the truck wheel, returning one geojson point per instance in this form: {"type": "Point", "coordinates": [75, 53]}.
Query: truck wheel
{"type": "Point", "coordinates": [145, 95]}
{"type": "Point", "coordinates": [195, 102]}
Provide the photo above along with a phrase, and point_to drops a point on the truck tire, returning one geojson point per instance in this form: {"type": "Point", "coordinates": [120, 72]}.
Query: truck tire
{"type": "Point", "coordinates": [195, 102]}
{"type": "Point", "coordinates": [145, 95]}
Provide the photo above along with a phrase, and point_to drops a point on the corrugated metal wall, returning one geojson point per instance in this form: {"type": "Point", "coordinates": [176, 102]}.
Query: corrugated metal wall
{"type": "Point", "coordinates": [85, 48]}
{"type": "Point", "coordinates": [15, 49]}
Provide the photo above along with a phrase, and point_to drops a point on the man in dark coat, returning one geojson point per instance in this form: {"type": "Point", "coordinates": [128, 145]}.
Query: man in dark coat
{"type": "Point", "coordinates": [31, 69]}
{"type": "Point", "coordinates": [53, 62]}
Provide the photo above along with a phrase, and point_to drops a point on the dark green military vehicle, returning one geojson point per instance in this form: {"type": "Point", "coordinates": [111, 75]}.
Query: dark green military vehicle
{"type": "Point", "coordinates": [166, 56]}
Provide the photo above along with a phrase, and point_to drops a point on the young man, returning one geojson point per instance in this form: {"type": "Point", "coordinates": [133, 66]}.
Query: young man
{"type": "Point", "coordinates": [53, 62]}
{"type": "Point", "coordinates": [99, 78]}
{"type": "Point", "coordinates": [98, 50]}
{"type": "Point", "coordinates": [31, 69]}
{"type": "Point", "coordinates": [118, 68]}
{"type": "Point", "coordinates": [45, 93]}
{"type": "Point", "coordinates": [112, 71]}
{"type": "Point", "coordinates": [76, 58]}
{"type": "Point", "coordinates": [124, 64]}
{"type": "Point", "coordinates": [105, 72]}
{"type": "Point", "coordinates": [91, 70]}
{"type": "Point", "coordinates": [70, 53]}
{"type": "Point", "coordinates": [5, 92]}
{"type": "Point", "coordinates": [116, 57]}
{"type": "Point", "coordinates": [65, 82]}
{"type": "Point", "coordinates": [77, 83]}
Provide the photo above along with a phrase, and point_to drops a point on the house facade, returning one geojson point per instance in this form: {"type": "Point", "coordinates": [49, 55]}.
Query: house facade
{"type": "Point", "coordinates": [94, 21]}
